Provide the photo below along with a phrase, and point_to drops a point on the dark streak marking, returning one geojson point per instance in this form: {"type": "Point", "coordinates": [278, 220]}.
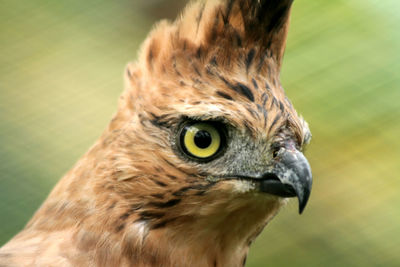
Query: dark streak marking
{"type": "Point", "coordinates": [254, 83]}
{"type": "Point", "coordinates": [247, 126]}
{"type": "Point", "coordinates": [265, 114]}
{"type": "Point", "coordinates": [167, 204]}
{"type": "Point", "coordinates": [158, 169]}
{"type": "Point", "coordinates": [275, 121]}
{"type": "Point", "coordinates": [197, 187]}
{"type": "Point", "coordinates": [142, 122]}
{"type": "Point", "coordinates": [275, 81]}
{"type": "Point", "coordinates": [228, 11]}
{"type": "Point", "coordinates": [269, 50]}
{"type": "Point", "coordinates": [213, 61]}
{"type": "Point", "coordinates": [112, 205]}
{"type": "Point", "coordinates": [181, 191]}
{"type": "Point", "coordinates": [148, 215]}
{"type": "Point", "coordinates": [161, 224]}
{"type": "Point", "coordinates": [184, 45]}
{"type": "Point", "coordinates": [281, 106]}
{"type": "Point", "coordinates": [278, 16]}
{"type": "Point", "coordinates": [158, 225]}
{"type": "Point", "coordinates": [249, 58]}
{"type": "Point", "coordinates": [209, 72]}
{"type": "Point", "coordinates": [129, 73]}
{"type": "Point", "coordinates": [158, 121]}
{"type": "Point", "coordinates": [150, 57]}
{"type": "Point", "coordinates": [196, 70]}
{"type": "Point", "coordinates": [135, 207]}
{"type": "Point", "coordinates": [264, 99]}
{"type": "Point", "coordinates": [125, 216]}
{"type": "Point", "coordinates": [239, 88]}
{"type": "Point", "coordinates": [253, 113]}
{"type": "Point", "coordinates": [244, 90]}
{"type": "Point", "coordinates": [159, 183]}
{"type": "Point", "coordinates": [226, 96]}
{"type": "Point", "coordinates": [120, 227]}
{"type": "Point", "coordinates": [199, 52]}
{"type": "Point", "coordinates": [261, 63]}
{"type": "Point", "coordinates": [172, 177]}
{"type": "Point", "coordinates": [213, 34]}
{"type": "Point", "coordinates": [244, 260]}
{"type": "Point", "coordinates": [267, 86]}
{"type": "Point", "coordinates": [238, 39]}
{"type": "Point", "coordinates": [202, 173]}
{"type": "Point", "coordinates": [274, 102]}
{"type": "Point", "coordinates": [159, 196]}
{"type": "Point", "coordinates": [200, 193]}
{"type": "Point", "coordinates": [196, 80]}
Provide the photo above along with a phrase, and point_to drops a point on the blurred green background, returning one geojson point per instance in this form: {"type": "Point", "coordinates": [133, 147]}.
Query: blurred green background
{"type": "Point", "coordinates": [61, 65]}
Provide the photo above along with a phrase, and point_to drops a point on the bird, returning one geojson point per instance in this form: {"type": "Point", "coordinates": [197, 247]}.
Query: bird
{"type": "Point", "coordinates": [203, 152]}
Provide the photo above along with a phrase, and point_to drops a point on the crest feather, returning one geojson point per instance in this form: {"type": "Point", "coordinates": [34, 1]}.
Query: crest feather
{"type": "Point", "coordinates": [225, 30]}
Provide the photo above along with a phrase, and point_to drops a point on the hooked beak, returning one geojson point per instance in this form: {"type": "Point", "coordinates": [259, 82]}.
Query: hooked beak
{"type": "Point", "coordinates": [290, 177]}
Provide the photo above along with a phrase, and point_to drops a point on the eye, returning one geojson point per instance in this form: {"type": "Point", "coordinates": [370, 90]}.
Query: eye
{"type": "Point", "coordinates": [202, 140]}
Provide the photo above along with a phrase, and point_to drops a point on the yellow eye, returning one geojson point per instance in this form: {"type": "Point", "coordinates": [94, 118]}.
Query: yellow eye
{"type": "Point", "coordinates": [202, 140]}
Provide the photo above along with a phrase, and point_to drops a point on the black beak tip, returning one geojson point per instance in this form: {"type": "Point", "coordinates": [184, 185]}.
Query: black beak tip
{"type": "Point", "coordinates": [303, 199]}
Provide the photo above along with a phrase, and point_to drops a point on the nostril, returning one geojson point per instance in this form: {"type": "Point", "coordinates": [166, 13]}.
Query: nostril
{"type": "Point", "coordinates": [275, 149]}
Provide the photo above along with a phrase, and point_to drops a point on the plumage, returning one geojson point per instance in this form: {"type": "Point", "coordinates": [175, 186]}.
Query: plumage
{"type": "Point", "coordinates": [141, 196]}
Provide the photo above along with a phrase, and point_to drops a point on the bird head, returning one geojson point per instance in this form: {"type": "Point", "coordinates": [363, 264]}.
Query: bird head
{"type": "Point", "coordinates": [205, 136]}
{"type": "Point", "coordinates": [204, 150]}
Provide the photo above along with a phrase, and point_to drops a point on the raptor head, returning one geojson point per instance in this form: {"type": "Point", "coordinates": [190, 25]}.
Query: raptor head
{"type": "Point", "coordinates": [210, 137]}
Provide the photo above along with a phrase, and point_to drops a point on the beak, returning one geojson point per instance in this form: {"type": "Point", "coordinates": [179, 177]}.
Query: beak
{"type": "Point", "coordinates": [291, 176]}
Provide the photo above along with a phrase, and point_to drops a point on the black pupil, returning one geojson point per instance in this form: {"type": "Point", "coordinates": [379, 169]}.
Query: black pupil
{"type": "Point", "coordinates": [202, 139]}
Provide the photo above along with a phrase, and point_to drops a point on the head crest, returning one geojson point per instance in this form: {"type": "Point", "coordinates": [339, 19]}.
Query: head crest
{"type": "Point", "coordinates": [221, 30]}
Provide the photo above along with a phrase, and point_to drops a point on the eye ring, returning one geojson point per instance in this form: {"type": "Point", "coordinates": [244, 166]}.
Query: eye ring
{"type": "Point", "coordinates": [202, 140]}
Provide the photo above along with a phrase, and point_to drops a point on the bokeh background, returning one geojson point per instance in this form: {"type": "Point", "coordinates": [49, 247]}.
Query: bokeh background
{"type": "Point", "coordinates": [61, 65]}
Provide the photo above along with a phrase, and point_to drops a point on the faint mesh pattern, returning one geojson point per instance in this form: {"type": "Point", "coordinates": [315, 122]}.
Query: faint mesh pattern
{"type": "Point", "coordinates": [61, 74]}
